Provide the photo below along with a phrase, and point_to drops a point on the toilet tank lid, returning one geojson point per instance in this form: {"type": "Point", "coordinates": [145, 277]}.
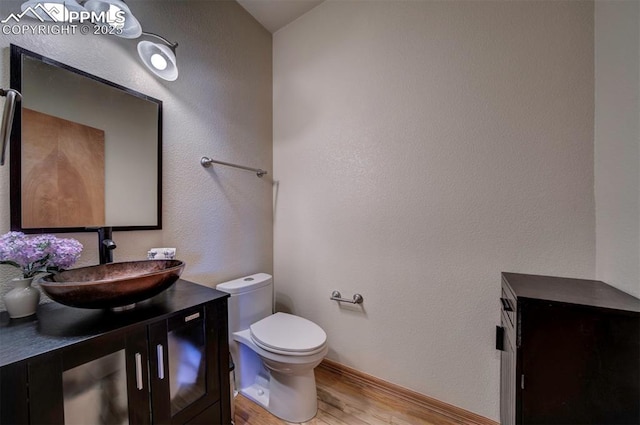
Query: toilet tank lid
{"type": "Point", "coordinates": [245, 284]}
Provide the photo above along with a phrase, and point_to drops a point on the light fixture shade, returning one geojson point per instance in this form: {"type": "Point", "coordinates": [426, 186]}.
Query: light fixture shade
{"type": "Point", "coordinates": [50, 10]}
{"type": "Point", "coordinates": [164, 63]}
{"type": "Point", "coordinates": [131, 28]}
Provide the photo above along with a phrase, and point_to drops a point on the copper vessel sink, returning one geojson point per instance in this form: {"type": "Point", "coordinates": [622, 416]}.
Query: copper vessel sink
{"type": "Point", "coordinates": [112, 285]}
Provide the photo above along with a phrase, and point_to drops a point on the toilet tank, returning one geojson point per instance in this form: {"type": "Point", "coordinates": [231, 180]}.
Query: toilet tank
{"type": "Point", "coordinates": [251, 300]}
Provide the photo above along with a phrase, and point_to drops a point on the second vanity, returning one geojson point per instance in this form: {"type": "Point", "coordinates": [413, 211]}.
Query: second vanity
{"type": "Point", "coordinates": [166, 361]}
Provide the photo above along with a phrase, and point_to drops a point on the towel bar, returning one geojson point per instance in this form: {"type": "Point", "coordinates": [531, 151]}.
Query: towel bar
{"type": "Point", "coordinates": [357, 298]}
{"type": "Point", "coordinates": [208, 162]}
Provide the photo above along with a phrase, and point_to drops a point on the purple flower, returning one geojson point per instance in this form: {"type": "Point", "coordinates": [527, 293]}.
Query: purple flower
{"type": "Point", "coordinates": [38, 254]}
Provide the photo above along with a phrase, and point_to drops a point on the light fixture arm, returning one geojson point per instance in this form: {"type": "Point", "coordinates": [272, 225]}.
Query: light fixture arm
{"type": "Point", "coordinates": [171, 45]}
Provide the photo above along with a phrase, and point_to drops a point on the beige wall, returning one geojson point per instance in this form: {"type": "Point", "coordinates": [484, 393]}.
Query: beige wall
{"type": "Point", "coordinates": [421, 148]}
{"type": "Point", "coordinates": [220, 106]}
{"type": "Point", "coordinates": [617, 143]}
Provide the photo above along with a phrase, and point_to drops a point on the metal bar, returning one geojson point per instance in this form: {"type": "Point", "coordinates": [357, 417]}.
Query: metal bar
{"type": "Point", "coordinates": [357, 298]}
{"type": "Point", "coordinates": [208, 162]}
{"type": "Point", "coordinates": [13, 96]}
{"type": "Point", "coordinates": [160, 354]}
{"type": "Point", "coordinates": [170, 44]}
{"type": "Point", "coordinates": [139, 384]}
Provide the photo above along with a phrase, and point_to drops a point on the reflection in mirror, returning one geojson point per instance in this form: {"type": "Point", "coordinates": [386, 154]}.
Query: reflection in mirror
{"type": "Point", "coordinates": [87, 153]}
{"type": "Point", "coordinates": [96, 392]}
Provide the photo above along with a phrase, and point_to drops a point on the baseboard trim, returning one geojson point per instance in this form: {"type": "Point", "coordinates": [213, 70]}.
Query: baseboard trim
{"type": "Point", "coordinates": [420, 401]}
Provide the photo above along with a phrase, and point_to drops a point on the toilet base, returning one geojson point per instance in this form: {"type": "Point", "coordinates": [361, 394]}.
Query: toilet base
{"type": "Point", "coordinates": [258, 394]}
{"type": "Point", "coordinates": [292, 398]}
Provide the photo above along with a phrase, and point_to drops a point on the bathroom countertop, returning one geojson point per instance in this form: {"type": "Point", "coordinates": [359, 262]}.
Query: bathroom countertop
{"type": "Point", "coordinates": [592, 293]}
{"type": "Point", "coordinates": [56, 326]}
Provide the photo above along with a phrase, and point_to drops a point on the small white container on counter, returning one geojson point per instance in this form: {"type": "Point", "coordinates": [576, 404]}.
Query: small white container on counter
{"type": "Point", "coordinates": [161, 254]}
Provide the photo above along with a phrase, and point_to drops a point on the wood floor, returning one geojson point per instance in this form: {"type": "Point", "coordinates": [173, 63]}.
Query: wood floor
{"type": "Point", "coordinates": [343, 402]}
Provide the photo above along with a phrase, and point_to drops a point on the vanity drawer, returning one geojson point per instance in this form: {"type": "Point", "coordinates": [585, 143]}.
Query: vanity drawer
{"type": "Point", "coordinates": [509, 305]}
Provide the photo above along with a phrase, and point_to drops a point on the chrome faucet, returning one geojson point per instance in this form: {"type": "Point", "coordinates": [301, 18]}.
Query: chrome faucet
{"type": "Point", "coordinates": [106, 245]}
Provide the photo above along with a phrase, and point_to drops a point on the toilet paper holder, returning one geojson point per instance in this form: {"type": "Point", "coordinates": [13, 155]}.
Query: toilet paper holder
{"type": "Point", "coordinates": [357, 298]}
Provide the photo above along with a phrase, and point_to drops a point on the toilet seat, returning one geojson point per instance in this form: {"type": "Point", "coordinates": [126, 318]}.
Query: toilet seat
{"type": "Point", "coordinates": [287, 334]}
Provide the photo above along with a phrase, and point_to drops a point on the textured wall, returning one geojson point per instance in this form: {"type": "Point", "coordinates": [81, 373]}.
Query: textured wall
{"type": "Point", "coordinates": [220, 106]}
{"type": "Point", "coordinates": [421, 148]}
{"type": "Point", "coordinates": [617, 143]}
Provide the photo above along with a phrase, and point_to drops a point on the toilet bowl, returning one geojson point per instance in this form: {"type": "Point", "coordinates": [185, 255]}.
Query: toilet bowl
{"type": "Point", "coordinates": [274, 354]}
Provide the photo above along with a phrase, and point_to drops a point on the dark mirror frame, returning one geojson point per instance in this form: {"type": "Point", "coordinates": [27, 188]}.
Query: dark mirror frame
{"type": "Point", "coordinates": [17, 53]}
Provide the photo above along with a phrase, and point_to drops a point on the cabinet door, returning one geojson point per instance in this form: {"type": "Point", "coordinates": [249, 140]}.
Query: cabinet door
{"type": "Point", "coordinates": [580, 365]}
{"type": "Point", "coordinates": [184, 365]}
{"type": "Point", "coordinates": [13, 394]}
{"type": "Point", "coordinates": [102, 381]}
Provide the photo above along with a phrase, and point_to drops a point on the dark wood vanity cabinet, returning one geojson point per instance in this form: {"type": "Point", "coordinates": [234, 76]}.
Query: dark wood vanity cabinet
{"type": "Point", "coordinates": [164, 362]}
{"type": "Point", "coordinates": [570, 352]}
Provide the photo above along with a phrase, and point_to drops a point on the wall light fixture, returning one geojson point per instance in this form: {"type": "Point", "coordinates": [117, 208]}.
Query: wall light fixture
{"type": "Point", "coordinates": [130, 28]}
{"type": "Point", "coordinates": [159, 58]}
{"type": "Point", "coordinates": [51, 10]}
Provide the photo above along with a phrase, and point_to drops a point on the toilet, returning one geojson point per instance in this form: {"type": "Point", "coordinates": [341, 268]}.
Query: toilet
{"type": "Point", "coordinates": [274, 354]}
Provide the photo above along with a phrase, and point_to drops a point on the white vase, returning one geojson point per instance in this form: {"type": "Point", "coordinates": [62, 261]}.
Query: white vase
{"type": "Point", "coordinates": [22, 300]}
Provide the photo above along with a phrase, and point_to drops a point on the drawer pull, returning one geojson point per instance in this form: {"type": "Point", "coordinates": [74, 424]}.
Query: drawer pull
{"type": "Point", "coordinates": [139, 371]}
{"type": "Point", "coordinates": [506, 304]}
{"type": "Point", "coordinates": [160, 353]}
{"type": "Point", "coordinates": [192, 317]}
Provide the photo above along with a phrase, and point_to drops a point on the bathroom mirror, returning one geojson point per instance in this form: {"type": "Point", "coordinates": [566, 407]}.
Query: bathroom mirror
{"type": "Point", "coordinates": [85, 152]}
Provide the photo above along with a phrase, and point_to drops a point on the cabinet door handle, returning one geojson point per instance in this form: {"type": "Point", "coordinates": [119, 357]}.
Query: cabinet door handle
{"type": "Point", "coordinates": [192, 317]}
{"type": "Point", "coordinates": [139, 371]}
{"type": "Point", "coordinates": [506, 304]}
{"type": "Point", "coordinates": [160, 353]}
